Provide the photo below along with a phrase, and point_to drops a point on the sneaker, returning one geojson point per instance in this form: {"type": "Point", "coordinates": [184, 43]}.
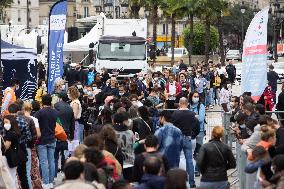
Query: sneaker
{"type": "Point", "coordinates": [192, 186]}
{"type": "Point", "coordinates": [197, 174]}
{"type": "Point", "coordinates": [50, 185]}
{"type": "Point", "coordinates": [45, 186]}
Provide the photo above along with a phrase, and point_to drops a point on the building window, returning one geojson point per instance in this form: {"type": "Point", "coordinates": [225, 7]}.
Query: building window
{"type": "Point", "coordinates": [86, 11]}
{"type": "Point", "coordinates": [19, 15]}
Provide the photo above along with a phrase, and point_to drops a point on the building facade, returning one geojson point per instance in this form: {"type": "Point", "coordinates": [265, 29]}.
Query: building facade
{"type": "Point", "coordinates": [22, 12]}
{"type": "Point", "coordinates": [45, 6]}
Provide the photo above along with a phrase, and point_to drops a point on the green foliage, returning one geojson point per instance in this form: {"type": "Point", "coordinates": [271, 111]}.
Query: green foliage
{"type": "Point", "coordinates": [198, 38]}
{"type": "Point", "coordinates": [5, 3]}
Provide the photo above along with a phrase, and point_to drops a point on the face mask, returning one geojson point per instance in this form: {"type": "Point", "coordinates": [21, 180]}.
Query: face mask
{"type": "Point", "coordinates": [79, 86]}
{"type": "Point", "coordinates": [90, 94]}
{"type": "Point", "coordinates": [43, 85]}
{"type": "Point", "coordinates": [111, 107]}
{"type": "Point", "coordinates": [18, 87]}
{"type": "Point", "coordinates": [272, 169]}
{"type": "Point", "coordinates": [232, 104]}
{"type": "Point", "coordinates": [229, 86]}
{"type": "Point", "coordinates": [140, 78]}
{"type": "Point", "coordinates": [198, 75]}
{"type": "Point", "coordinates": [195, 100]}
{"type": "Point", "coordinates": [85, 91]}
{"type": "Point", "coordinates": [94, 88]}
{"type": "Point", "coordinates": [7, 126]}
{"type": "Point", "coordinates": [183, 89]}
{"type": "Point", "coordinates": [121, 94]}
{"type": "Point", "coordinates": [156, 79]}
{"type": "Point", "coordinates": [243, 126]}
{"type": "Point", "coordinates": [63, 87]}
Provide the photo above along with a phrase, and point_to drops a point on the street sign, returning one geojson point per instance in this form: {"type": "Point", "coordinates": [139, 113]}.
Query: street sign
{"type": "Point", "coordinates": [225, 42]}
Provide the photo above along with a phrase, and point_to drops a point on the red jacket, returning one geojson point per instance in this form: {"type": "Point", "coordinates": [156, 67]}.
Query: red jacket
{"type": "Point", "coordinates": [178, 88]}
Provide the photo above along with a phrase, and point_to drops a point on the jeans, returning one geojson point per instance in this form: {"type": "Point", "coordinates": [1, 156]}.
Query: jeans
{"type": "Point", "coordinates": [46, 161]}
{"type": "Point", "coordinates": [187, 150]}
{"type": "Point", "coordinates": [29, 166]}
{"type": "Point", "coordinates": [199, 141]}
{"type": "Point", "coordinates": [211, 95]}
{"type": "Point", "coordinates": [79, 132]}
{"type": "Point", "coordinates": [207, 97]}
{"type": "Point", "coordinates": [56, 157]}
{"type": "Point", "coordinates": [213, 185]}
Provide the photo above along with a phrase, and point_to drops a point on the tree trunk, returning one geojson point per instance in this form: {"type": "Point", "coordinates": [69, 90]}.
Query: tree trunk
{"type": "Point", "coordinates": [155, 23]}
{"type": "Point", "coordinates": [207, 40]}
{"type": "Point", "coordinates": [190, 38]}
{"type": "Point", "coordinates": [173, 39]}
{"type": "Point", "coordinates": [221, 39]}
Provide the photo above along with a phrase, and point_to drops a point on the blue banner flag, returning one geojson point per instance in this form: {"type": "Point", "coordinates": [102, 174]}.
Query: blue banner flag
{"type": "Point", "coordinates": [57, 21]}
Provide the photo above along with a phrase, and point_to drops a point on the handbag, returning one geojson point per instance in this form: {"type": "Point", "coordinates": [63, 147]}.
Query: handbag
{"type": "Point", "coordinates": [228, 183]}
{"type": "Point", "coordinates": [60, 133]}
{"type": "Point", "coordinates": [6, 181]}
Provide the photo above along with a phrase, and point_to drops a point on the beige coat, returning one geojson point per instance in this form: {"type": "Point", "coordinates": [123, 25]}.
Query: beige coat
{"type": "Point", "coordinates": [75, 184]}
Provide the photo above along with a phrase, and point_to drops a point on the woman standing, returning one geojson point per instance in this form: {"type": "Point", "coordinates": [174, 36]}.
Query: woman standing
{"type": "Point", "coordinates": [42, 90]}
{"type": "Point", "coordinates": [199, 109]}
{"type": "Point", "coordinates": [11, 145]}
{"type": "Point", "coordinates": [73, 95]}
{"type": "Point", "coordinates": [32, 164]}
{"type": "Point", "coordinates": [225, 96]}
{"type": "Point", "coordinates": [215, 158]}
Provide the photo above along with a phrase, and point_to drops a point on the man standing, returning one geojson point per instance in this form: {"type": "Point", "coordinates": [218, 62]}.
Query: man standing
{"type": "Point", "coordinates": [186, 121]}
{"type": "Point", "coordinates": [170, 139]}
{"type": "Point", "coordinates": [47, 117]}
{"type": "Point", "coordinates": [173, 89]}
{"type": "Point", "coordinates": [67, 120]}
{"type": "Point", "coordinates": [151, 178]}
{"type": "Point", "coordinates": [182, 65]}
{"type": "Point", "coordinates": [151, 146]}
{"type": "Point", "coordinates": [272, 78]}
{"type": "Point", "coordinates": [231, 71]}
{"type": "Point", "coordinates": [9, 96]}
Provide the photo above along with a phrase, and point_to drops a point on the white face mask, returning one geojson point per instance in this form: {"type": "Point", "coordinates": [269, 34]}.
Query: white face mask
{"type": "Point", "coordinates": [7, 126]}
{"type": "Point", "coordinates": [232, 104]}
{"type": "Point", "coordinates": [17, 87]}
{"type": "Point", "coordinates": [63, 87]}
{"type": "Point", "coordinates": [141, 78]}
{"type": "Point", "coordinates": [43, 85]}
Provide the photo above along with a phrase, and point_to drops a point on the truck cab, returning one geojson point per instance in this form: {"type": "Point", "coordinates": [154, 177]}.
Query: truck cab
{"type": "Point", "coordinates": [126, 54]}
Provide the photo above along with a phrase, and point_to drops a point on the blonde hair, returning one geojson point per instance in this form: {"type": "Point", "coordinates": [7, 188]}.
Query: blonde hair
{"type": "Point", "coordinates": [27, 107]}
{"type": "Point", "coordinates": [78, 153]}
{"type": "Point", "coordinates": [217, 132]}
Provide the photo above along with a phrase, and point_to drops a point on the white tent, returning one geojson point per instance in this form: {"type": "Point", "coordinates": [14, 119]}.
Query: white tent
{"type": "Point", "coordinates": [82, 45]}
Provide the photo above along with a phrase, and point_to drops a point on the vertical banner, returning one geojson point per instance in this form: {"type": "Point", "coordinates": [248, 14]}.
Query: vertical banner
{"type": "Point", "coordinates": [254, 60]}
{"type": "Point", "coordinates": [57, 21]}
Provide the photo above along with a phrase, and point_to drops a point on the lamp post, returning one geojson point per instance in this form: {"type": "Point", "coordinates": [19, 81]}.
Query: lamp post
{"type": "Point", "coordinates": [243, 10]}
{"type": "Point", "coordinates": [277, 17]}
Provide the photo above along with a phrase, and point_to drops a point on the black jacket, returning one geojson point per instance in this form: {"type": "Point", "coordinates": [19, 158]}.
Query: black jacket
{"type": "Point", "coordinates": [212, 165]}
{"type": "Point", "coordinates": [66, 117]}
{"type": "Point", "coordinates": [151, 182]}
{"type": "Point", "coordinates": [186, 121]}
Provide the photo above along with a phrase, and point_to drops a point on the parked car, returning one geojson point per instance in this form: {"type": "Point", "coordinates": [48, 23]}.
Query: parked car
{"type": "Point", "coordinates": [233, 55]}
{"type": "Point", "coordinates": [278, 68]}
{"type": "Point", "coordinates": [179, 52]}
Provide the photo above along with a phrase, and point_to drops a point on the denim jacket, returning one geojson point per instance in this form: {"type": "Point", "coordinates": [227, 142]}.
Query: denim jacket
{"type": "Point", "coordinates": [201, 114]}
{"type": "Point", "coordinates": [170, 140]}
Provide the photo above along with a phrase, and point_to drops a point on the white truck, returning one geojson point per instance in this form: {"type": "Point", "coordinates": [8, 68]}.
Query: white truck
{"type": "Point", "coordinates": [122, 46]}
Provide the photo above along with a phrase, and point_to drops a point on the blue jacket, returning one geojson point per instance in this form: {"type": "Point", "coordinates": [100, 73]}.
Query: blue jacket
{"type": "Point", "coordinates": [149, 181]}
{"type": "Point", "coordinates": [170, 139]}
{"type": "Point", "coordinates": [200, 113]}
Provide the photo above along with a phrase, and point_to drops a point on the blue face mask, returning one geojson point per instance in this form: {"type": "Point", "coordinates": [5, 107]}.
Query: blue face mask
{"type": "Point", "coordinates": [195, 100]}
{"type": "Point", "coordinates": [243, 126]}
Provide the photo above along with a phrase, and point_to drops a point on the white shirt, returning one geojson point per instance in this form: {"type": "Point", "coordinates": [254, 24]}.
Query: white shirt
{"type": "Point", "coordinates": [35, 121]}
{"type": "Point", "coordinates": [172, 88]}
{"type": "Point", "coordinates": [225, 96]}
{"type": "Point", "coordinates": [222, 70]}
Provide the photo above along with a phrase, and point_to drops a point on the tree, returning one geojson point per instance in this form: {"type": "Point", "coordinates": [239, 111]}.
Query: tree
{"type": "Point", "coordinates": [199, 40]}
{"type": "Point", "coordinates": [191, 12]}
{"type": "Point", "coordinates": [135, 6]}
{"type": "Point", "coordinates": [3, 4]}
{"type": "Point", "coordinates": [175, 9]}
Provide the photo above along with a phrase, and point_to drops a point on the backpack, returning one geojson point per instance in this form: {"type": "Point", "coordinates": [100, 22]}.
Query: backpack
{"type": "Point", "coordinates": [198, 109]}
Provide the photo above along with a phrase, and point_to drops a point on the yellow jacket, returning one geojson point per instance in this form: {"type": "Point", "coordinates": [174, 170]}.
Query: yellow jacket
{"type": "Point", "coordinates": [39, 93]}
{"type": "Point", "coordinates": [217, 81]}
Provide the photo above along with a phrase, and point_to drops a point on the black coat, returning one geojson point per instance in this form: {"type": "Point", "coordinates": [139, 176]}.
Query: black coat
{"type": "Point", "coordinates": [212, 165]}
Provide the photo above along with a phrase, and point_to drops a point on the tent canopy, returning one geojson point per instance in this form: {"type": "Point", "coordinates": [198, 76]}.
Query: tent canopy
{"type": "Point", "coordinates": [13, 52]}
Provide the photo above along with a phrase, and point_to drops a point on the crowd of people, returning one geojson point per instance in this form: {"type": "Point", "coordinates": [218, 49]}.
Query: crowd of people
{"type": "Point", "coordinates": [102, 132]}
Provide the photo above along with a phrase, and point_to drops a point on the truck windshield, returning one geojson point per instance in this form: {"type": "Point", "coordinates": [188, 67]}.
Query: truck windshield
{"type": "Point", "coordinates": [122, 51]}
